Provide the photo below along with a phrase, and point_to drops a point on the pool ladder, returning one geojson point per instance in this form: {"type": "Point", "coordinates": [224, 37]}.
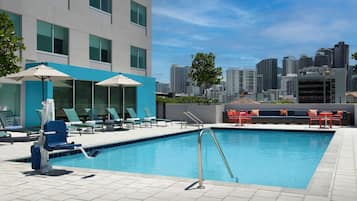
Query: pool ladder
{"type": "Point", "coordinates": [213, 135]}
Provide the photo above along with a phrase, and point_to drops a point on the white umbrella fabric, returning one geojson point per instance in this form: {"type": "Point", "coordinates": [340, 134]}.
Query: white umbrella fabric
{"type": "Point", "coordinates": [119, 81]}
{"type": "Point", "coordinates": [39, 73]}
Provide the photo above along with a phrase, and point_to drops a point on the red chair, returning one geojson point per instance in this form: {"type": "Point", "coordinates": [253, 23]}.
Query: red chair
{"type": "Point", "coordinates": [313, 117]}
{"type": "Point", "coordinates": [326, 117]}
{"type": "Point", "coordinates": [232, 117]}
{"type": "Point", "coordinates": [338, 117]}
{"type": "Point", "coordinates": [244, 117]}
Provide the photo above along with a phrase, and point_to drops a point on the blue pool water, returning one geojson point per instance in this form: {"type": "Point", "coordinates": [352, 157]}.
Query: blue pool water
{"type": "Point", "coordinates": [277, 158]}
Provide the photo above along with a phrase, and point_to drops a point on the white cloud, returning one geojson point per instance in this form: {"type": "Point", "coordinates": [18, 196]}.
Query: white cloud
{"type": "Point", "coordinates": [170, 43]}
{"type": "Point", "coordinates": [211, 13]}
{"type": "Point", "coordinates": [305, 31]}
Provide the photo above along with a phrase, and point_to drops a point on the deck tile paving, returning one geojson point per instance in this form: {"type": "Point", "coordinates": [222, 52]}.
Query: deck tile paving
{"type": "Point", "coordinates": [335, 178]}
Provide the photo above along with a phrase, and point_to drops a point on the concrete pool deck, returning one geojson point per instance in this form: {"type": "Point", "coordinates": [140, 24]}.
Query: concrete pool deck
{"type": "Point", "coordinates": [334, 179]}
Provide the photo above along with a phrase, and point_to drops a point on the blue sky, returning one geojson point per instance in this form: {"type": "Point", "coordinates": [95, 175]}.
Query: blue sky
{"type": "Point", "coordinates": [242, 32]}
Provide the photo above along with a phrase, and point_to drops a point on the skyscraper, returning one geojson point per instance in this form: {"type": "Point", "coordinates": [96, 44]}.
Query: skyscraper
{"type": "Point", "coordinates": [341, 55]}
{"type": "Point", "coordinates": [267, 70]}
{"type": "Point", "coordinates": [305, 61]}
{"type": "Point", "coordinates": [289, 65]}
{"type": "Point", "coordinates": [324, 57]}
{"type": "Point", "coordinates": [239, 80]}
{"type": "Point", "coordinates": [178, 78]}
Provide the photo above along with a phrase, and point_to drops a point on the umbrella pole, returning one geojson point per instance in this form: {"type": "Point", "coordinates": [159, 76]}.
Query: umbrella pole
{"type": "Point", "coordinates": [43, 88]}
{"type": "Point", "coordinates": [123, 103]}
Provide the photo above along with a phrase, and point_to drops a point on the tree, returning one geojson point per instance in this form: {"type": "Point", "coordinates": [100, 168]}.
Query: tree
{"type": "Point", "coordinates": [10, 44]}
{"type": "Point", "coordinates": [204, 72]}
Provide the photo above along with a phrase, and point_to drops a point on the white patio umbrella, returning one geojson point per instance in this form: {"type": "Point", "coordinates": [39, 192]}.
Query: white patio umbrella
{"type": "Point", "coordinates": [119, 81]}
{"type": "Point", "coordinates": [42, 73]}
{"type": "Point", "coordinates": [39, 73]}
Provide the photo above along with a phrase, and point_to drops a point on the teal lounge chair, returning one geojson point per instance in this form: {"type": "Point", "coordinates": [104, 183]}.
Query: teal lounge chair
{"type": "Point", "coordinates": [149, 115]}
{"type": "Point", "coordinates": [8, 124]}
{"type": "Point", "coordinates": [117, 120]}
{"type": "Point", "coordinates": [107, 125]}
{"type": "Point", "coordinates": [134, 117]}
{"type": "Point", "coordinates": [76, 123]}
{"type": "Point", "coordinates": [4, 134]}
{"type": "Point", "coordinates": [93, 115]}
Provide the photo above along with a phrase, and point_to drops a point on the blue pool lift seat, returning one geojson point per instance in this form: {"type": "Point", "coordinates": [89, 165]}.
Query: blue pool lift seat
{"type": "Point", "coordinates": [55, 133]}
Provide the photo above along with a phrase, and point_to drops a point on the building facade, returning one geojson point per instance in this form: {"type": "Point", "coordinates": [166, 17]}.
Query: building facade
{"type": "Point", "coordinates": [305, 61]}
{"type": "Point", "coordinates": [321, 85]}
{"type": "Point", "coordinates": [89, 40]}
{"type": "Point", "coordinates": [290, 65]}
{"type": "Point", "coordinates": [324, 57]}
{"type": "Point", "coordinates": [267, 70]}
{"type": "Point", "coordinates": [341, 55]}
{"type": "Point", "coordinates": [162, 87]}
{"type": "Point", "coordinates": [289, 85]}
{"type": "Point", "coordinates": [239, 81]}
{"type": "Point", "coordinates": [179, 79]}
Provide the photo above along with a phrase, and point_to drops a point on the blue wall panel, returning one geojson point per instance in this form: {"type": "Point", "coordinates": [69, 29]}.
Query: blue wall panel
{"type": "Point", "coordinates": [145, 93]}
{"type": "Point", "coordinates": [33, 102]}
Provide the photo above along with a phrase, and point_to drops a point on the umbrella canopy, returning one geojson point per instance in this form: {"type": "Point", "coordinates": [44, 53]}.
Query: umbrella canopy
{"type": "Point", "coordinates": [119, 81]}
{"type": "Point", "coordinates": [39, 73]}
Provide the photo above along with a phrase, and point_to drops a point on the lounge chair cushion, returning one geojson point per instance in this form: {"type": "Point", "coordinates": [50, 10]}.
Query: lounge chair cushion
{"type": "Point", "coordinates": [283, 112]}
{"type": "Point", "coordinates": [312, 112]}
{"type": "Point", "coordinates": [255, 112]}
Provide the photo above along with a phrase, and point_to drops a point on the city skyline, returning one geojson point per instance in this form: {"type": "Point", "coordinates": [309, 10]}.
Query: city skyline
{"type": "Point", "coordinates": [242, 33]}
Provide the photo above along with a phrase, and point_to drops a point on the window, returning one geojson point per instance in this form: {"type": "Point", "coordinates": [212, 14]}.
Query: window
{"type": "Point", "coordinates": [104, 5]}
{"type": "Point", "coordinates": [83, 97]}
{"type": "Point", "coordinates": [100, 100]}
{"type": "Point", "coordinates": [63, 94]}
{"type": "Point", "coordinates": [138, 57]}
{"type": "Point", "coordinates": [116, 99]}
{"type": "Point", "coordinates": [138, 13]}
{"type": "Point", "coordinates": [10, 104]}
{"type": "Point", "coordinates": [52, 38]}
{"type": "Point", "coordinates": [16, 20]}
{"type": "Point", "coordinates": [100, 49]}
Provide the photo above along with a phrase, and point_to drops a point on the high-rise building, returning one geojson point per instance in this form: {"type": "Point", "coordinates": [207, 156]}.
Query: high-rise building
{"type": "Point", "coordinates": [88, 40]}
{"type": "Point", "coordinates": [341, 55]}
{"type": "Point", "coordinates": [289, 85]}
{"type": "Point", "coordinates": [305, 61]}
{"type": "Point", "coordinates": [321, 85]}
{"type": "Point", "coordinates": [290, 65]}
{"type": "Point", "coordinates": [267, 71]}
{"type": "Point", "coordinates": [179, 79]}
{"type": "Point", "coordinates": [324, 57]}
{"type": "Point", "coordinates": [240, 80]}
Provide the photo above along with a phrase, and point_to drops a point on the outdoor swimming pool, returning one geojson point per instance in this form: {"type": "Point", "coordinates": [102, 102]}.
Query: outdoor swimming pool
{"type": "Point", "coordinates": [276, 158]}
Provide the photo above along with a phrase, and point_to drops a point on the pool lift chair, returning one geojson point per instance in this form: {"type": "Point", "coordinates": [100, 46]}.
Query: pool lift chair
{"type": "Point", "coordinates": [53, 136]}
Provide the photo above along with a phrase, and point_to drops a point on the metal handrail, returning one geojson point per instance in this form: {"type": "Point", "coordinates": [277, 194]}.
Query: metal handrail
{"type": "Point", "coordinates": [194, 118]}
{"type": "Point", "coordinates": [213, 135]}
